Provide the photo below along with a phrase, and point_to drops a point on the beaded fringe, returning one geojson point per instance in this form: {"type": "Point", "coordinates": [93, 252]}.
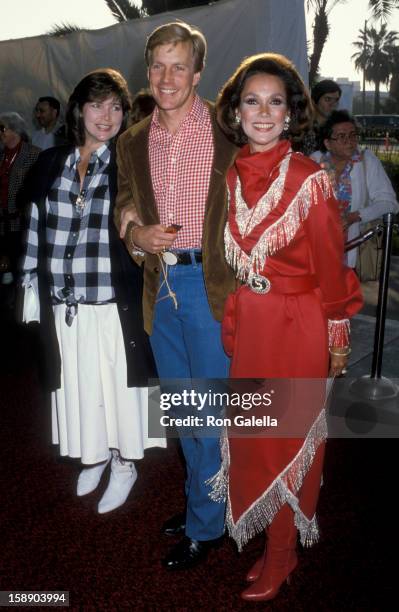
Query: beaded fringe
{"type": "Point", "coordinates": [282, 231]}
{"type": "Point", "coordinates": [339, 332]}
{"type": "Point", "coordinates": [283, 489]}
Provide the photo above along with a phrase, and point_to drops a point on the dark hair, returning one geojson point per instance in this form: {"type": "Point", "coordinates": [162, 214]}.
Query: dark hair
{"type": "Point", "coordinates": [143, 104]}
{"type": "Point", "coordinates": [97, 85]}
{"type": "Point", "coordinates": [52, 102]}
{"type": "Point", "coordinates": [338, 116]}
{"type": "Point", "coordinates": [174, 33]}
{"type": "Point", "coordinates": [298, 100]}
{"type": "Point", "coordinates": [324, 87]}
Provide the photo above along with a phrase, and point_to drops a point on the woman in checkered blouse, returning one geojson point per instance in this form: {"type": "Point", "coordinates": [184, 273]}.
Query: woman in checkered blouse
{"type": "Point", "coordinates": [98, 355]}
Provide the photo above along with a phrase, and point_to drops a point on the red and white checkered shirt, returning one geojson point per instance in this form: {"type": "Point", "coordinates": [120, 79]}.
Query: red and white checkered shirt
{"type": "Point", "coordinates": [181, 167]}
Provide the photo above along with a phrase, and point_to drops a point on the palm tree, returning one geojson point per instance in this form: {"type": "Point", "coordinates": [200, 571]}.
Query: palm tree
{"type": "Point", "coordinates": [152, 7]}
{"type": "Point", "coordinates": [321, 30]}
{"type": "Point", "coordinates": [382, 9]}
{"type": "Point", "coordinates": [394, 84]}
{"type": "Point", "coordinates": [374, 56]}
{"type": "Point", "coordinates": [62, 29]}
{"type": "Point", "coordinates": [122, 10]}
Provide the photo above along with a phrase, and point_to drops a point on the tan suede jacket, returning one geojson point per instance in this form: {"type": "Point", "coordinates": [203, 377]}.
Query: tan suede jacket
{"type": "Point", "coordinates": [135, 189]}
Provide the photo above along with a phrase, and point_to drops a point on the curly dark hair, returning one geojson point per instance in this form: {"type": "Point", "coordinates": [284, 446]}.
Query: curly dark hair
{"type": "Point", "coordinates": [97, 85]}
{"type": "Point", "coordinates": [298, 99]}
{"type": "Point", "coordinates": [143, 104]}
{"type": "Point", "coordinates": [336, 117]}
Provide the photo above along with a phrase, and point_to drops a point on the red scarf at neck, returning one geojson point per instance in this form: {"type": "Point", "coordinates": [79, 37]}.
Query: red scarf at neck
{"type": "Point", "coordinates": [257, 170]}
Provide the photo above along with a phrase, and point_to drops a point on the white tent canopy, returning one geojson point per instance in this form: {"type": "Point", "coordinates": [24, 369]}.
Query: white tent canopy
{"type": "Point", "coordinates": [45, 65]}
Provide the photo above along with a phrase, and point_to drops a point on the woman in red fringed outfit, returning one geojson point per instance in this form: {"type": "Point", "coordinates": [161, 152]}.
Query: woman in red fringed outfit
{"type": "Point", "coordinates": [290, 316]}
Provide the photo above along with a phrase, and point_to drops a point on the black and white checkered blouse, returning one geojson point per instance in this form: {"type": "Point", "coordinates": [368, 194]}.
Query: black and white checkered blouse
{"type": "Point", "coordinates": [76, 232]}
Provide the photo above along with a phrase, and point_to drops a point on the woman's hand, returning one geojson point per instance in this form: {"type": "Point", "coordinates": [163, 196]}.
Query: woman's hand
{"type": "Point", "coordinates": [352, 217]}
{"type": "Point", "coordinates": [128, 214]}
{"type": "Point", "coordinates": [338, 360]}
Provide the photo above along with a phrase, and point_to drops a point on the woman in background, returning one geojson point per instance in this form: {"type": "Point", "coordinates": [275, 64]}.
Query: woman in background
{"type": "Point", "coordinates": [361, 185]}
{"type": "Point", "coordinates": [16, 158]}
{"type": "Point", "coordinates": [289, 318]}
{"type": "Point", "coordinates": [98, 355]}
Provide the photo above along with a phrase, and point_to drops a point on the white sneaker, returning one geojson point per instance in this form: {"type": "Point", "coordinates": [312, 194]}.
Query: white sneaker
{"type": "Point", "coordinates": [123, 477]}
{"type": "Point", "coordinates": [90, 477]}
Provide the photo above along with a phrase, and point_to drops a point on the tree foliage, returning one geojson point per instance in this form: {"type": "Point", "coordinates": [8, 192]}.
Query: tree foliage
{"type": "Point", "coordinates": [374, 55]}
{"type": "Point", "coordinates": [382, 9]}
{"type": "Point", "coordinates": [321, 30]}
{"type": "Point", "coordinates": [62, 29]}
{"type": "Point", "coordinates": [122, 10]}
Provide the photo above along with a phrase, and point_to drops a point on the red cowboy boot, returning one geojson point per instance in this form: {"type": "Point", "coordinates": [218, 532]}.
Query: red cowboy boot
{"type": "Point", "coordinates": [281, 558]}
{"type": "Point", "coordinates": [257, 568]}
{"type": "Point", "coordinates": [308, 497]}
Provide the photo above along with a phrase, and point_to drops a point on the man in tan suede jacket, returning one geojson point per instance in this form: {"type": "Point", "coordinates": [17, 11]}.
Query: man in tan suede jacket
{"type": "Point", "coordinates": [172, 168]}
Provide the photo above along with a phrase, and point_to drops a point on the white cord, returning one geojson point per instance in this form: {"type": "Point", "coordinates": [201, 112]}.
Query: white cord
{"type": "Point", "coordinates": [171, 293]}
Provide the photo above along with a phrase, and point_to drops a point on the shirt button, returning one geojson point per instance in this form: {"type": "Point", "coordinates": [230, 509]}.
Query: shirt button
{"type": "Point", "coordinates": [171, 187]}
{"type": "Point", "coordinates": [125, 307]}
{"type": "Point", "coordinates": [156, 270]}
{"type": "Point", "coordinates": [173, 160]}
{"type": "Point", "coordinates": [68, 254]}
{"type": "Point", "coordinates": [132, 343]}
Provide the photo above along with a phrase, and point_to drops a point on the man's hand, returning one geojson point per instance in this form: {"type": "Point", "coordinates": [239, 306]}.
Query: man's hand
{"type": "Point", "coordinates": [152, 238]}
{"type": "Point", "coordinates": [128, 213]}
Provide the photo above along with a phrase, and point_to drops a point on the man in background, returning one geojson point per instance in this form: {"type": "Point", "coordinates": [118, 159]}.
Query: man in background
{"type": "Point", "coordinates": [51, 132]}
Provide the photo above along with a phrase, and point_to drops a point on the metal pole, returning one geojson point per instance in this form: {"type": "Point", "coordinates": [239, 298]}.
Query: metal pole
{"type": "Point", "coordinates": [382, 296]}
{"type": "Point", "coordinates": [375, 386]}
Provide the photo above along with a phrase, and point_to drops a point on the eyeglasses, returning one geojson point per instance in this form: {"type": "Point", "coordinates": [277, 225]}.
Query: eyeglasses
{"type": "Point", "coordinates": [351, 137]}
{"type": "Point", "coordinates": [2, 129]}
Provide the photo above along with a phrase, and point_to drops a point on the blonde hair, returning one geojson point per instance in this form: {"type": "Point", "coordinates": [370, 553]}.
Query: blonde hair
{"type": "Point", "coordinates": [174, 33]}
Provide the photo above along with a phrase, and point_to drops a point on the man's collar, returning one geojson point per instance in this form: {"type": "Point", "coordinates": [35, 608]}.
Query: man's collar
{"type": "Point", "coordinates": [197, 114]}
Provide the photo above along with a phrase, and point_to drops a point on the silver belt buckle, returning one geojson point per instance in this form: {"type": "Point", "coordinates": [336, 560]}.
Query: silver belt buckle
{"type": "Point", "coordinates": [259, 284]}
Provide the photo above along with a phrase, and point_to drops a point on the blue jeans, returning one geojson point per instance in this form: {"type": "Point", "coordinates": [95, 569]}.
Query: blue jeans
{"type": "Point", "coordinates": [187, 344]}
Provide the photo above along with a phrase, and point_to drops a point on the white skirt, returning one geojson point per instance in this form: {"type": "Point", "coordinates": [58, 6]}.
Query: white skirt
{"type": "Point", "coordinates": [94, 410]}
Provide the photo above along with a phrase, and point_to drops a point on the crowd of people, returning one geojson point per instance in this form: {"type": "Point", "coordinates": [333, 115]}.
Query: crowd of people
{"type": "Point", "coordinates": [196, 241]}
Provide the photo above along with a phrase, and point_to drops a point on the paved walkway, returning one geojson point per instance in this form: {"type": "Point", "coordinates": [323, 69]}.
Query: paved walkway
{"type": "Point", "coordinates": [351, 414]}
{"type": "Point", "coordinates": [363, 327]}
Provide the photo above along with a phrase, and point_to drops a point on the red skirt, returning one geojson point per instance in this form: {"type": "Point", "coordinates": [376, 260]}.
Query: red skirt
{"type": "Point", "coordinates": [285, 338]}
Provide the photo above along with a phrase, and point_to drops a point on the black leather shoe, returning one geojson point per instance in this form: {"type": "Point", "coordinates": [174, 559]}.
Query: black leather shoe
{"type": "Point", "coordinates": [175, 525]}
{"type": "Point", "coordinates": [188, 553]}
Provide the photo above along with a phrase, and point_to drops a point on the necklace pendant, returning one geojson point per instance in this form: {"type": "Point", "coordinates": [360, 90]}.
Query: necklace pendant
{"type": "Point", "coordinates": [259, 284]}
{"type": "Point", "coordinates": [169, 258]}
{"type": "Point", "coordinates": [80, 202]}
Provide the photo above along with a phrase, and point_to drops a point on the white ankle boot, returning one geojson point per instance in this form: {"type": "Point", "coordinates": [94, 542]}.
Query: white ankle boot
{"type": "Point", "coordinates": [123, 477]}
{"type": "Point", "coordinates": [90, 477]}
